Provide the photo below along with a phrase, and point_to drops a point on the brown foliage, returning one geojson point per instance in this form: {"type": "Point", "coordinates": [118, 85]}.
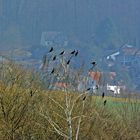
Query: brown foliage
{"type": "Point", "coordinates": [27, 112]}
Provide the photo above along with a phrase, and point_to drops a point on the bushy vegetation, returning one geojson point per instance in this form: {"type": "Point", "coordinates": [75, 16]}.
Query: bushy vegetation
{"type": "Point", "coordinates": [27, 112]}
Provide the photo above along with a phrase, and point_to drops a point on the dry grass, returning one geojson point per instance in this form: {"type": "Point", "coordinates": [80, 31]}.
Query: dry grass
{"type": "Point", "coordinates": [27, 112]}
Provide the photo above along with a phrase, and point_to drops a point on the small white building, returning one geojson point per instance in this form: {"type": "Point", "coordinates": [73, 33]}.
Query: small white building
{"type": "Point", "coordinates": [115, 89]}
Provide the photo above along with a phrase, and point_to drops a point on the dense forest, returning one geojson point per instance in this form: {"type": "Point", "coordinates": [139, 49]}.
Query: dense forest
{"type": "Point", "coordinates": [23, 21]}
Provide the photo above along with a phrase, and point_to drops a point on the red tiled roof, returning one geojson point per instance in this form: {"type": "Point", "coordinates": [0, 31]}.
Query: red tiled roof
{"type": "Point", "coordinates": [95, 75]}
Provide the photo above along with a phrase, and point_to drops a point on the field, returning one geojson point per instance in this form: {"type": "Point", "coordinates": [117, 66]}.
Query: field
{"type": "Point", "coordinates": [28, 112]}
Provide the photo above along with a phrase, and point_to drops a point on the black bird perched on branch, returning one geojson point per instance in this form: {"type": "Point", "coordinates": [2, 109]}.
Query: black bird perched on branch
{"type": "Point", "coordinates": [54, 58]}
{"type": "Point", "coordinates": [68, 62]}
{"type": "Point", "coordinates": [62, 53]}
{"type": "Point", "coordinates": [84, 98]}
{"type": "Point", "coordinates": [94, 63]}
{"type": "Point", "coordinates": [103, 95]}
{"type": "Point", "coordinates": [73, 52]}
{"type": "Point", "coordinates": [52, 71]}
{"type": "Point", "coordinates": [31, 93]}
{"type": "Point", "coordinates": [76, 53]}
{"type": "Point", "coordinates": [88, 89]}
{"type": "Point", "coordinates": [105, 102]}
{"type": "Point", "coordinates": [51, 49]}
{"type": "Point", "coordinates": [97, 87]}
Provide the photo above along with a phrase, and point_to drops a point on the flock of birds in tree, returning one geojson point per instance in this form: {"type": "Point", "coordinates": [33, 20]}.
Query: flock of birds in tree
{"type": "Point", "coordinates": [75, 53]}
